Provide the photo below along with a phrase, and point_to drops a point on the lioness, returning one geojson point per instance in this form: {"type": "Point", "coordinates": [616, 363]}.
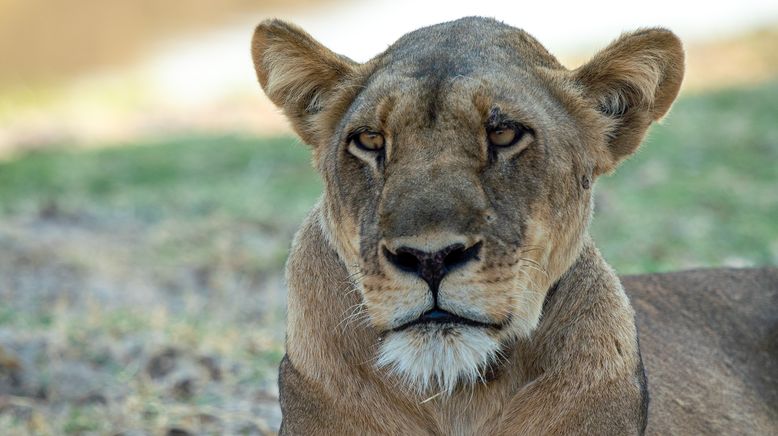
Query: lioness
{"type": "Point", "coordinates": [446, 284]}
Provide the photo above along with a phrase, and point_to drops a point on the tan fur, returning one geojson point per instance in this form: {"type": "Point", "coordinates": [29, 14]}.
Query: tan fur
{"type": "Point", "coordinates": [559, 352]}
{"type": "Point", "coordinates": [710, 344]}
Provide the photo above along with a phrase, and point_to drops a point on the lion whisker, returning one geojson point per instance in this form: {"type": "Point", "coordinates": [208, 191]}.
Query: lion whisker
{"type": "Point", "coordinates": [351, 291]}
{"type": "Point", "coordinates": [356, 273]}
{"type": "Point", "coordinates": [540, 270]}
{"type": "Point", "coordinates": [354, 311]}
{"type": "Point", "coordinates": [433, 397]}
{"type": "Point", "coordinates": [531, 261]}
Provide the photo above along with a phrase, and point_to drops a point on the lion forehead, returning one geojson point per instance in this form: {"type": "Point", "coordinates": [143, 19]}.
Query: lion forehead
{"type": "Point", "coordinates": [456, 47]}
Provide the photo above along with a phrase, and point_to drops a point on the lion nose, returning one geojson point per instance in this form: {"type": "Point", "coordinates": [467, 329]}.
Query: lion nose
{"type": "Point", "coordinates": [432, 266]}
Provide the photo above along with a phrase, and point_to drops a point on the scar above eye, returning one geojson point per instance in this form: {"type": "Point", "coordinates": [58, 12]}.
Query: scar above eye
{"type": "Point", "coordinates": [496, 117]}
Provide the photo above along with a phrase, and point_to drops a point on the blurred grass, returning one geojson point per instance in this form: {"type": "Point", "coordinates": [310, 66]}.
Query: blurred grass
{"type": "Point", "coordinates": [703, 189]}
{"type": "Point", "coordinates": [166, 254]}
{"type": "Point", "coordinates": [265, 179]}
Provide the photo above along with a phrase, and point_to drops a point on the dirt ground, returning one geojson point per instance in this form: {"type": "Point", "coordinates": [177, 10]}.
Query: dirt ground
{"type": "Point", "coordinates": [100, 335]}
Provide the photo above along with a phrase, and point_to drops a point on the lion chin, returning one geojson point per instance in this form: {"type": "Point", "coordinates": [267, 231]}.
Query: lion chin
{"type": "Point", "coordinates": [436, 359]}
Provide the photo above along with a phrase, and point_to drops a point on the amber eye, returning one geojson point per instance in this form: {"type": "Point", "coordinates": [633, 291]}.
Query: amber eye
{"type": "Point", "coordinates": [370, 141]}
{"type": "Point", "coordinates": [504, 136]}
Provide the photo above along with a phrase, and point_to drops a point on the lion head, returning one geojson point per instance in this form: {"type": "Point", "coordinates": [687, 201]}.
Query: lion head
{"type": "Point", "coordinates": [458, 169]}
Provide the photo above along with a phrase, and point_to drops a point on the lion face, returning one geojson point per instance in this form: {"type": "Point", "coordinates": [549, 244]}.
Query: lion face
{"type": "Point", "coordinates": [458, 167]}
{"type": "Point", "coordinates": [454, 215]}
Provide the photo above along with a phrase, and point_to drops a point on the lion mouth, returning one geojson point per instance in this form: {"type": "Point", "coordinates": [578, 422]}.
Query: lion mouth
{"type": "Point", "coordinates": [439, 316]}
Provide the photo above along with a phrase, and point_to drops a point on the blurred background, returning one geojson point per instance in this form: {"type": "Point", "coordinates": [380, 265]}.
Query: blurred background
{"type": "Point", "coordinates": [149, 192]}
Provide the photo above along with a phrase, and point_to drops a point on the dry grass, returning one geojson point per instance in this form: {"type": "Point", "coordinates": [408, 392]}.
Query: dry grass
{"type": "Point", "coordinates": [46, 40]}
{"type": "Point", "coordinates": [117, 325]}
{"type": "Point", "coordinates": [747, 59]}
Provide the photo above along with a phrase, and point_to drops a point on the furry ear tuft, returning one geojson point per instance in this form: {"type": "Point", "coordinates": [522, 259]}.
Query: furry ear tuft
{"type": "Point", "coordinates": [633, 82]}
{"type": "Point", "coordinates": [297, 73]}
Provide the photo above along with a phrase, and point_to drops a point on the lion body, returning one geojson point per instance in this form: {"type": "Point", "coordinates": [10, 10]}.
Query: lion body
{"type": "Point", "coordinates": [709, 340]}
{"type": "Point", "coordinates": [446, 282]}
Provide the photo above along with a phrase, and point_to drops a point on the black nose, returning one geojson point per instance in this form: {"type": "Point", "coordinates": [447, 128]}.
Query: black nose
{"type": "Point", "coordinates": [432, 267]}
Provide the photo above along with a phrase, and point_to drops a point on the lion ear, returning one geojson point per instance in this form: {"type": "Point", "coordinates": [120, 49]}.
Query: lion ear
{"type": "Point", "coordinates": [297, 73]}
{"type": "Point", "coordinates": [633, 82]}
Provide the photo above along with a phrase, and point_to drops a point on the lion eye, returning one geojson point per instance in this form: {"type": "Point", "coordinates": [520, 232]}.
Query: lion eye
{"type": "Point", "coordinates": [504, 136]}
{"type": "Point", "coordinates": [368, 140]}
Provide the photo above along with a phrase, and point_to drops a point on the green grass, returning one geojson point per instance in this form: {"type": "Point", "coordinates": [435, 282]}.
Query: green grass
{"type": "Point", "coordinates": [703, 190]}
{"type": "Point", "coordinates": [241, 176]}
